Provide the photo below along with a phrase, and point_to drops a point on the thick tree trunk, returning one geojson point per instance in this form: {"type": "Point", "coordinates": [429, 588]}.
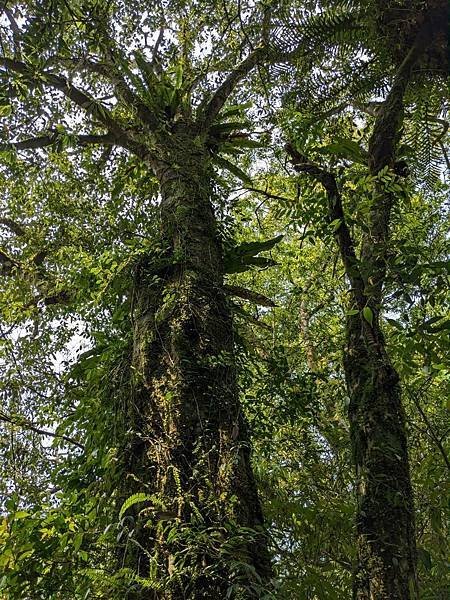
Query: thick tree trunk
{"type": "Point", "coordinates": [385, 513]}
{"type": "Point", "coordinates": [200, 532]}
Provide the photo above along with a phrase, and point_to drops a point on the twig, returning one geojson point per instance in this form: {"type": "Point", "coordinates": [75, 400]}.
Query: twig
{"type": "Point", "coordinates": [25, 424]}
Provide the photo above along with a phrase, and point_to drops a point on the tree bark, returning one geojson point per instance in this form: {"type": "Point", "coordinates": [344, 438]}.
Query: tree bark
{"type": "Point", "coordinates": [385, 523]}
{"type": "Point", "coordinates": [386, 554]}
{"type": "Point", "coordinates": [201, 530]}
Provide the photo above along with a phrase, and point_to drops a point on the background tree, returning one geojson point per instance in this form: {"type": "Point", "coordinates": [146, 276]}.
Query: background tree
{"type": "Point", "coordinates": [385, 517]}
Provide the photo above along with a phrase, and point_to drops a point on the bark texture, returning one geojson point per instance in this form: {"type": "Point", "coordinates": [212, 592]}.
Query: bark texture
{"type": "Point", "coordinates": [201, 528]}
{"type": "Point", "coordinates": [386, 549]}
{"type": "Point", "coordinates": [386, 555]}
{"type": "Point", "coordinates": [385, 512]}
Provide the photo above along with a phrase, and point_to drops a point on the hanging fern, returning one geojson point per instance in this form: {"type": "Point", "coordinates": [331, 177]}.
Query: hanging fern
{"type": "Point", "coordinates": [131, 501]}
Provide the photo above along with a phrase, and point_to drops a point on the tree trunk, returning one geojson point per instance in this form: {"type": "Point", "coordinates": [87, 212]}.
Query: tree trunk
{"type": "Point", "coordinates": [385, 513]}
{"type": "Point", "coordinates": [200, 531]}
{"type": "Point", "coordinates": [386, 552]}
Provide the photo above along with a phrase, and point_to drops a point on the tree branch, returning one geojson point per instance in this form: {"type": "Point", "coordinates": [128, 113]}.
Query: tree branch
{"type": "Point", "coordinates": [224, 91]}
{"type": "Point", "coordinates": [50, 140]}
{"type": "Point", "coordinates": [25, 424]}
{"type": "Point", "coordinates": [157, 44]}
{"type": "Point", "coordinates": [335, 214]}
{"type": "Point", "coordinates": [97, 110]}
{"type": "Point", "coordinates": [383, 145]}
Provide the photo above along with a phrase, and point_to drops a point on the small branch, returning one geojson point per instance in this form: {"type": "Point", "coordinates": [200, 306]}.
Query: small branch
{"type": "Point", "coordinates": [12, 226]}
{"type": "Point", "coordinates": [50, 140]}
{"type": "Point", "coordinates": [250, 295]}
{"type": "Point", "coordinates": [60, 298]}
{"type": "Point", "coordinates": [15, 30]}
{"type": "Point", "coordinates": [430, 429]}
{"type": "Point", "coordinates": [28, 425]}
{"type": "Point", "coordinates": [266, 24]}
{"type": "Point", "coordinates": [158, 42]}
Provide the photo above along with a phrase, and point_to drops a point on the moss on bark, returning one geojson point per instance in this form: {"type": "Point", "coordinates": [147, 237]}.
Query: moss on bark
{"type": "Point", "coordinates": [385, 510]}
{"type": "Point", "coordinates": [200, 533]}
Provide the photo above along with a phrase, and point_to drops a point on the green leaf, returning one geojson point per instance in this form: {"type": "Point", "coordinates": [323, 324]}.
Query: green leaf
{"type": "Point", "coordinates": [368, 314]}
{"type": "Point", "coordinates": [234, 109]}
{"type": "Point", "coordinates": [244, 142]}
{"type": "Point", "coordinates": [83, 555]}
{"type": "Point", "coordinates": [243, 257]}
{"type": "Point", "coordinates": [221, 128]}
{"type": "Point", "coordinates": [178, 76]}
{"type": "Point", "coordinates": [131, 501]}
{"type": "Point", "coordinates": [26, 554]}
{"type": "Point", "coordinates": [77, 541]}
{"type": "Point", "coordinates": [335, 224]}
{"type": "Point", "coordinates": [232, 168]}
{"type": "Point", "coordinates": [5, 110]}
{"type": "Point", "coordinates": [253, 248]}
{"type": "Point", "coordinates": [20, 514]}
{"type": "Point", "coordinates": [244, 264]}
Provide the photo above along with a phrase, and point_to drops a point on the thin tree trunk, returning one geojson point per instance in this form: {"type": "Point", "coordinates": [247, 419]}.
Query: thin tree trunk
{"type": "Point", "coordinates": [310, 351]}
{"type": "Point", "coordinates": [385, 523]}
{"type": "Point", "coordinates": [386, 554]}
{"type": "Point", "coordinates": [189, 447]}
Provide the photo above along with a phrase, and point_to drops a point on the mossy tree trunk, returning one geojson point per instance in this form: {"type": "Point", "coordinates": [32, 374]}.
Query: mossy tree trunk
{"type": "Point", "coordinates": [386, 555]}
{"type": "Point", "coordinates": [385, 537]}
{"type": "Point", "coordinates": [200, 531]}
{"type": "Point", "coordinates": [385, 512]}
{"type": "Point", "coordinates": [194, 524]}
